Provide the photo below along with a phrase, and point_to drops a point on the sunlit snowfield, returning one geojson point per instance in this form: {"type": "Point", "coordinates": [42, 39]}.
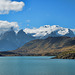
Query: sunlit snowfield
{"type": "Point", "coordinates": [37, 65]}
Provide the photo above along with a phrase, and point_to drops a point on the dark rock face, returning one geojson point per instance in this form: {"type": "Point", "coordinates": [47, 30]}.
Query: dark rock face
{"type": "Point", "coordinates": [11, 41]}
{"type": "Point", "coordinates": [8, 41]}
{"type": "Point", "coordinates": [23, 38]}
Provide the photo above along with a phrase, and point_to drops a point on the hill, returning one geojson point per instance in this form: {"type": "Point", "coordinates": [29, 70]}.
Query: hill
{"type": "Point", "coordinates": [51, 45]}
{"type": "Point", "coordinates": [56, 46]}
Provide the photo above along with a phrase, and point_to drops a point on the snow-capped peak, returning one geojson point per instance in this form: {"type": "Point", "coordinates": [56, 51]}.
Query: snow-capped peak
{"type": "Point", "coordinates": [63, 31]}
{"type": "Point", "coordinates": [48, 30]}
{"type": "Point", "coordinates": [46, 26]}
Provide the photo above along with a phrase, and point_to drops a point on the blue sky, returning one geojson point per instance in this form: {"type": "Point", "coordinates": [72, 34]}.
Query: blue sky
{"type": "Point", "coordinates": [37, 13]}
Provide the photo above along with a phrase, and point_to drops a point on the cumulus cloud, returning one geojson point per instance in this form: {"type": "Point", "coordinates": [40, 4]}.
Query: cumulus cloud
{"type": "Point", "coordinates": [6, 26]}
{"type": "Point", "coordinates": [8, 5]}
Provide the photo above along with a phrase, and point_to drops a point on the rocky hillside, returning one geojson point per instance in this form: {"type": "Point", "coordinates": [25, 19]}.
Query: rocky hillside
{"type": "Point", "coordinates": [70, 54]}
{"type": "Point", "coordinates": [51, 45]}
{"type": "Point", "coordinates": [61, 47]}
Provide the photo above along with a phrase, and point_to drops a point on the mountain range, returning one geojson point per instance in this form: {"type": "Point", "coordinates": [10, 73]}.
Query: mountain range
{"type": "Point", "coordinates": [10, 40]}
{"type": "Point", "coordinates": [49, 31]}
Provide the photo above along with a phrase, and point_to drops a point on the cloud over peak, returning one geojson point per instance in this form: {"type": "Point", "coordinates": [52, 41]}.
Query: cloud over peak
{"type": "Point", "coordinates": [6, 26]}
{"type": "Point", "coordinates": [8, 5]}
{"type": "Point", "coordinates": [73, 30]}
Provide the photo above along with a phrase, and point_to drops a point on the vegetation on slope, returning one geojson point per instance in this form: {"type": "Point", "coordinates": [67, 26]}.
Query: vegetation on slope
{"type": "Point", "coordinates": [46, 47]}
{"type": "Point", "coordinates": [50, 46]}
{"type": "Point", "coordinates": [67, 53]}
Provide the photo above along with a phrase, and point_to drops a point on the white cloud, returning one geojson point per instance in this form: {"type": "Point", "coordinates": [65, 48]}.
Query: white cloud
{"type": "Point", "coordinates": [6, 26]}
{"type": "Point", "coordinates": [8, 5]}
{"type": "Point", "coordinates": [73, 30]}
{"type": "Point", "coordinates": [27, 21]}
{"type": "Point", "coordinates": [27, 24]}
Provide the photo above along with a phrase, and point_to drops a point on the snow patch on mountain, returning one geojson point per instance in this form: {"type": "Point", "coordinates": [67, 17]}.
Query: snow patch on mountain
{"type": "Point", "coordinates": [48, 30]}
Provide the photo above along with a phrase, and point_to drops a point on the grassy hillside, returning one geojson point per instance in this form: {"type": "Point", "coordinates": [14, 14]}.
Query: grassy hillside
{"type": "Point", "coordinates": [67, 53]}
{"type": "Point", "coordinates": [50, 46]}
{"type": "Point", "coordinates": [45, 47]}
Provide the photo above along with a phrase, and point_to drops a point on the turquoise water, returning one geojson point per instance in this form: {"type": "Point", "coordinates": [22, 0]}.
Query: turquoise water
{"type": "Point", "coordinates": [39, 65]}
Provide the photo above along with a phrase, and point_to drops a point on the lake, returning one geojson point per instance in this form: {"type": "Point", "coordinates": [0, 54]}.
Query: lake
{"type": "Point", "coordinates": [36, 65]}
